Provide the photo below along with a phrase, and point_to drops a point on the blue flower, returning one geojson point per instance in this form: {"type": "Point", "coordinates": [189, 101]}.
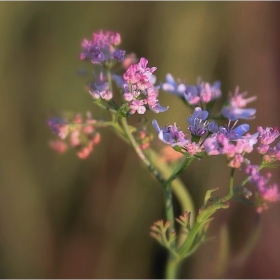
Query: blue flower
{"type": "Point", "coordinates": [171, 86]}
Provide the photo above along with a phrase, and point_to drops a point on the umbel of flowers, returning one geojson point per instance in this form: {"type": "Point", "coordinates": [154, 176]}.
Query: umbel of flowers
{"type": "Point", "coordinates": [124, 85]}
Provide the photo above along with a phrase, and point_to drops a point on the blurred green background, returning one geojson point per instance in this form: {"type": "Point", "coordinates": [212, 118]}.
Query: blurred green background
{"type": "Point", "coordinates": [61, 217]}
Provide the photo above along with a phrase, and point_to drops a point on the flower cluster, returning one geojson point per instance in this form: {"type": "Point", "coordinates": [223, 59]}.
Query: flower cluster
{"type": "Point", "coordinates": [219, 140]}
{"type": "Point", "coordinates": [138, 93]}
{"type": "Point", "coordinates": [265, 193]}
{"type": "Point", "coordinates": [234, 110]}
{"type": "Point", "coordinates": [102, 48]}
{"type": "Point", "coordinates": [138, 89]}
{"type": "Point", "coordinates": [267, 137]}
{"type": "Point", "coordinates": [81, 134]}
{"type": "Point", "coordinates": [193, 94]}
{"type": "Point", "coordinates": [101, 89]}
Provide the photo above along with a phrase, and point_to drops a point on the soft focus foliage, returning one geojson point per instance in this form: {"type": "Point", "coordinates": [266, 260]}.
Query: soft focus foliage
{"type": "Point", "coordinates": [64, 218]}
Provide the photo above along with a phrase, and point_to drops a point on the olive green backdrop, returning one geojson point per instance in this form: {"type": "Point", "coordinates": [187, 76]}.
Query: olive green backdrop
{"type": "Point", "coordinates": [61, 217]}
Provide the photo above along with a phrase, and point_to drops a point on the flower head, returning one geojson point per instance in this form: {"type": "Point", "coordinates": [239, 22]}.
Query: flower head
{"type": "Point", "coordinates": [235, 108]}
{"type": "Point", "coordinates": [102, 48]}
{"type": "Point", "coordinates": [172, 87]}
{"type": "Point", "coordinates": [197, 126]}
{"type": "Point", "coordinates": [170, 134]}
{"type": "Point", "coordinates": [138, 88]}
{"type": "Point", "coordinates": [82, 136]}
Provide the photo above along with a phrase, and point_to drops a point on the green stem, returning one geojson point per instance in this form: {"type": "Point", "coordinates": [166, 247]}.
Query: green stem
{"type": "Point", "coordinates": [171, 270]}
{"type": "Point", "coordinates": [204, 217]}
{"type": "Point", "coordinates": [140, 153]}
{"type": "Point", "coordinates": [178, 187]}
{"type": "Point", "coordinates": [185, 163]}
{"type": "Point", "coordinates": [231, 181]}
{"type": "Point", "coordinates": [246, 180]}
{"type": "Point", "coordinates": [109, 78]}
{"type": "Point", "coordinates": [186, 204]}
{"type": "Point", "coordinates": [169, 210]}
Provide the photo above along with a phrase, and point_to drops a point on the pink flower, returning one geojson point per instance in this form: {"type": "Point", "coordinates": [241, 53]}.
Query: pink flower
{"type": "Point", "coordinates": [271, 193]}
{"type": "Point", "coordinates": [267, 135]}
{"type": "Point", "coordinates": [59, 146]}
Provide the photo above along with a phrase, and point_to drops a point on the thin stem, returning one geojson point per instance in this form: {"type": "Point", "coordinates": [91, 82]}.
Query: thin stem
{"type": "Point", "coordinates": [109, 78]}
{"type": "Point", "coordinates": [185, 163]}
{"type": "Point", "coordinates": [98, 103]}
{"type": "Point", "coordinates": [246, 180]}
{"type": "Point", "coordinates": [171, 269]}
{"type": "Point", "coordinates": [231, 180]}
{"type": "Point", "coordinates": [139, 152]}
{"type": "Point", "coordinates": [169, 211]}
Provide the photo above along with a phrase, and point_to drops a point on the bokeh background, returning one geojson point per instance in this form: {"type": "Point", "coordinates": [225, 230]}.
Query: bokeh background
{"type": "Point", "coordinates": [61, 217]}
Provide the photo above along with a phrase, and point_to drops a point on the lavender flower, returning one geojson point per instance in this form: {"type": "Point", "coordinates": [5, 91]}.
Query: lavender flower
{"type": "Point", "coordinates": [202, 92]}
{"type": "Point", "coordinates": [268, 135]}
{"type": "Point", "coordinates": [197, 126]}
{"type": "Point", "coordinates": [172, 87]}
{"type": "Point", "coordinates": [102, 48]}
{"type": "Point", "coordinates": [170, 134]}
{"type": "Point", "coordinates": [234, 110]}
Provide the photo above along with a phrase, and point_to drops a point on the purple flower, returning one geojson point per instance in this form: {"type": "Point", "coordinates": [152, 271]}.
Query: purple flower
{"type": "Point", "coordinates": [211, 146]}
{"type": "Point", "coordinates": [102, 48]}
{"type": "Point", "coordinates": [267, 135]}
{"type": "Point", "coordinates": [234, 114]}
{"type": "Point", "coordinates": [197, 126]}
{"type": "Point", "coordinates": [119, 55]}
{"type": "Point", "coordinates": [192, 95]}
{"type": "Point", "coordinates": [157, 108]}
{"type": "Point", "coordinates": [209, 93]}
{"type": "Point", "coordinates": [202, 92]}
{"type": "Point", "coordinates": [234, 133]}
{"type": "Point", "coordinates": [170, 134]}
{"type": "Point", "coordinates": [234, 110]}
{"type": "Point", "coordinates": [100, 89]}
{"type": "Point", "coordinates": [171, 86]}
{"type": "Point", "coordinates": [59, 126]}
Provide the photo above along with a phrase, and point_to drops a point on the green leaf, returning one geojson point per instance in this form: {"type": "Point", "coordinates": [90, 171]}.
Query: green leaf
{"type": "Point", "coordinates": [208, 195]}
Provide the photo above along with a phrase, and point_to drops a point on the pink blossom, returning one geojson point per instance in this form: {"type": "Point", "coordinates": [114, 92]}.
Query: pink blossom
{"type": "Point", "coordinates": [271, 193]}
{"type": "Point", "coordinates": [267, 135]}
{"type": "Point", "coordinates": [59, 146]}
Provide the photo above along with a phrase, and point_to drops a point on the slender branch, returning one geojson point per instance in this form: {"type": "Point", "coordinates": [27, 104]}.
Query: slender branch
{"type": "Point", "coordinates": [231, 180]}
{"type": "Point", "coordinates": [140, 153]}
{"type": "Point", "coordinates": [185, 163]}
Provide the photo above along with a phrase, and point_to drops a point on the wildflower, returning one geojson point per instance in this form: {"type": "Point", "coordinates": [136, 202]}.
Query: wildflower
{"type": "Point", "coordinates": [267, 135]}
{"type": "Point", "coordinates": [82, 136]}
{"type": "Point", "coordinates": [234, 110]}
{"type": "Point", "coordinates": [234, 114]}
{"type": "Point", "coordinates": [197, 127]}
{"type": "Point", "coordinates": [138, 89]}
{"type": "Point", "coordinates": [58, 145]}
{"type": "Point", "coordinates": [192, 148]}
{"type": "Point", "coordinates": [102, 48]}
{"type": "Point", "coordinates": [202, 92]}
{"type": "Point", "coordinates": [232, 132]}
{"type": "Point", "coordinates": [59, 126]}
{"type": "Point", "coordinates": [236, 161]}
{"type": "Point", "coordinates": [170, 134]}
{"type": "Point", "coordinates": [172, 87]}
{"type": "Point", "coordinates": [209, 93]}
{"type": "Point", "coordinates": [129, 59]}
{"type": "Point", "coordinates": [101, 89]}
{"type": "Point", "coordinates": [118, 55]}
{"type": "Point", "coordinates": [270, 193]}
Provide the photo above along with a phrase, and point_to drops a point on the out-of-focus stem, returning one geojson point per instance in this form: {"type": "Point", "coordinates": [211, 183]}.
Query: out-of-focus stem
{"type": "Point", "coordinates": [171, 271]}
